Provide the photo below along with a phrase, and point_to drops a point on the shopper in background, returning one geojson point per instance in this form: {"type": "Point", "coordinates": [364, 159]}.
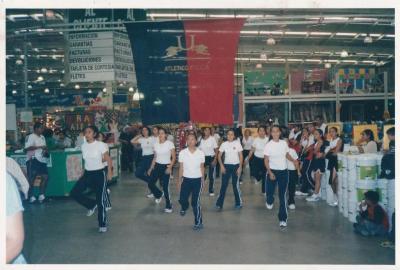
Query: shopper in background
{"type": "Point", "coordinates": [388, 160]}
{"type": "Point", "coordinates": [146, 143]}
{"type": "Point", "coordinates": [218, 139]}
{"type": "Point", "coordinates": [154, 134]}
{"type": "Point", "coordinates": [191, 176]}
{"type": "Point", "coordinates": [335, 146]}
{"type": "Point", "coordinates": [161, 168]}
{"type": "Point", "coordinates": [48, 135]}
{"type": "Point", "coordinates": [257, 149]}
{"type": "Point", "coordinates": [319, 124]}
{"type": "Point", "coordinates": [63, 140]}
{"type": "Point", "coordinates": [126, 149]}
{"type": "Point", "coordinates": [14, 223]}
{"type": "Point", "coordinates": [80, 139]}
{"type": "Point", "coordinates": [247, 142]}
{"type": "Point", "coordinates": [209, 146]}
{"type": "Point", "coordinates": [293, 170]}
{"type": "Point", "coordinates": [372, 220]}
{"type": "Point", "coordinates": [231, 167]}
{"type": "Point", "coordinates": [294, 132]}
{"type": "Point", "coordinates": [36, 164]}
{"type": "Point", "coordinates": [367, 144]}
{"type": "Point", "coordinates": [276, 154]}
{"type": "Point", "coordinates": [318, 164]}
{"type": "Point", "coordinates": [94, 153]}
{"type": "Point", "coordinates": [306, 156]}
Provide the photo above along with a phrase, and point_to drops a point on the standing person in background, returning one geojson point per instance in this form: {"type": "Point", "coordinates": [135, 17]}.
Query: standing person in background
{"type": "Point", "coordinates": [306, 156]}
{"type": "Point", "coordinates": [15, 234]}
{"type": "Point", "coordinates": [161, 168]}
{"type": "Point", "coordinates": [319, 124]}
{"type": "Point", "coordinates": [48, 136]}
{"type": "Point", "coordinates": [146, 142]}
{"type": "Point", "coordinates": [80, 139]}
{"type": "Point", "coordinates": [36, 164]}
{"type": "Point", "coordinates": [126, 149]}
{"type": "Point", "coordinates": [294, 170]}
{"type": "Point", "coordinates": [367, 144]}
{"type": "Point", "coordinates": [154, 134]}
{"type": "Point", "coordinates": [335, 146]}
{"type": "Point", "coordinates": [231, 167]}
{"type": "Point", "coordinates": [294, 132]}
{"type": "Point", "coordinates": [276, 154]}
{"type": "Point", "coordinates": [257, 149]}
{"type": "Point", "coordinates": [217, 138]}
{"type": "Point", "coordinates": [210, 148]}
{"type": "Point", "coordinates": [170, 137]}
{"type": "Point", "coordinates": [247, 142]}
{"type": "Point", "coordinates": [388, 160]}
{"type": "Point", "coordinates": [94, 153]}
{"type": "Point", "coordinates": [318, 164]}
{"type": "Point", "coordinates": [63, 140]}
{"type": "Point", "coordinates": [191, 175]}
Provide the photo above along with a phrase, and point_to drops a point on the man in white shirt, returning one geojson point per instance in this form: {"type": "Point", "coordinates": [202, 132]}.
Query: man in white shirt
{"type": "Point", "coordinates": [319, 124]}
{"type": "Point", "coordinates": [36, 164]}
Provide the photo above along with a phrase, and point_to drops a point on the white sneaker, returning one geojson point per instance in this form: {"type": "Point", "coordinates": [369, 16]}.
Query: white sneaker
{"type": "Point", "coordinates": [108, 209]}
{"type": "Point", "coordinates": [32, 199]}
{"type": "Point", "coordinates": [240, 183]}
{"type": "Point", "coordinates": [255, 182]}
{"type": "Point", "coordinates": [150, 195]}
{"type": "Point", "coordinates": [313, 198]}
{"type": "Point", "coordinates": [292, 206]}
{"type": "Point", "coordinates": [269, 206]}
{"type": "Point", "coordinates": [108, 191]}
{"type": "Point", "coordinates": [102, 229]}
{"type": "Point", "coordinates": [333, 204]}
{"type": "Point", "coordinates": [90, 212]}
{"type": "Point", "coordinates": [212, 194]}
{"type": "Point", "coordinates": [158, 201]}
{"type": "Point", "coordinates": [299, 193]}
{"type": "Point", "coordinates": [168, 210]}
{"type": "Point", "coordinates": [282, 224]}
{"type": "Point", "coordinates": [41, 198]}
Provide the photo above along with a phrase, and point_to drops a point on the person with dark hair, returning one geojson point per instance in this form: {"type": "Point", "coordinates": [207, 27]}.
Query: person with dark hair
{"type": "Point", "coordinates": [388, 160]}
{"type": "Point", "coordinates": [294, 132]}
{"type": "Point", "coordinates": [318, 164]}
{"type": "Point", "coordinates": [306, 156]}
{"type": "Point", "coordinates": [367, 144]}
{"type": "Point", "coordinates": [154, 134]}
{"type": "Point", "coordinates": [126, 149]}
{"type": "Point", "coordinates": [218, 139]}
{"type": "Point", "coordinates": [209, 147]}
{"type": "Point", "coordinates": [276, 154]}
{"type": "Point", "coordinates": [146, 143]}
{"type": "Point", "coordinates": [231, 167]}
{"type": "Point", "coordinates": [335, 146]}
{"type": "Point", "coordinates": [37, 155]}
{"type": "Point", "coordinates": [247, 142]}
{"type": "Point", "coordinates": [391, 135]}
{"type": "Point", "coordinates": [94, 154]}
{"type": "Point", "coordinates": [63, 140]}
{"type": "Point", "coordinates": [161, 168]}
{"type": "Point", "coordinates": [293, 170]}
{"type": "Point", "coordinates": [319, 124]}
{"type": "Point", "coordinates": [102, 138]}
{"type": "Point", "coordinates": [257, 149]}
{"type": "Point", "coordinates": [372, 220]}
{"type": "Point", "coordinates": [191, 176]}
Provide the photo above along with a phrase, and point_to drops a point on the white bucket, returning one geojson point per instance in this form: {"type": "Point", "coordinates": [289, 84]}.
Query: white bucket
{"type": "Point", "coordinates": [366, 167]}
{"type": "Point", "coordinates": [345, 205]}
{"type": "Point", "coordinates": [378, 158]}
{"type": "Point", "coordinates": [341, 164]}
{"type": "Point", "coordinates": [352, 194]}
{"type": "Point", "coordinates": [364, 186]}
{"type": "Point", "coordinates": [353, 211]}
{"type": "Point", "coordinates": [352, 162]}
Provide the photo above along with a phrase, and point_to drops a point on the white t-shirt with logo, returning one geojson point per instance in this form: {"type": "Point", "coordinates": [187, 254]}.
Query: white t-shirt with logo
{"type": "Point", "coordinates": [247, 143]}
{"type": "Point", "coordinates": [191, 162]}
{"type": "Point", "coordinates": [93, 153]}
{"type": "Point", "coordinates": [208, 145]}
{"type": "Point", "coordinates": [35, 140]}
{"type": "Point", "coordinates": [231, 150]}
{"type": "Point", "coordinates": [293, 154]}
{"type": "Point", "coordinates": [147, 145]}
{"type": "Point", "coordinates": [276, 152]}
{"type": "Point", "coordinates": [163, 152]}
{"type": "Point", "coordinates": [259, 146]}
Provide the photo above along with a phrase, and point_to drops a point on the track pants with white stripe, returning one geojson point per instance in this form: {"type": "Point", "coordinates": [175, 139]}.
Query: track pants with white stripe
{"type": "Point", "coordinates": [192, 186]}
{"type": "Point", "coordinates": [159, 173]}
{"type": "Point", "coordinates": [282, 179]}
{"type": "Point", "coordinates": [231, 171]}
{"type": "Point", "coordinates": [307, 182]}
{"type": "Point", "coordinates": [96, 180]}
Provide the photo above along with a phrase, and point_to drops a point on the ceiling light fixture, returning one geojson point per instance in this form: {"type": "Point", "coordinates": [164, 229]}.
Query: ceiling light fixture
{"type": "Point", "coordinates": [344, 53]}
{"type": "Point", "coordinates": [130, 89]}
{"type": "Point", "coordinates": [328, 65]}
{"type": "Point", "coordinates": [368, 39]}
{"type": "Point", "coordinates": [77, 86]}
{"type": "Point", "coordinates": [104, 90]}
{"type": "Point", "coordinates": [47, 90]}
{"type": "Point", "coordinates": [271, 41]}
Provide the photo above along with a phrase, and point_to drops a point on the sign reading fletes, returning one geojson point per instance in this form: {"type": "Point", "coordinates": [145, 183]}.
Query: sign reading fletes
{"type": "Point", "coordinates": [99, 56]}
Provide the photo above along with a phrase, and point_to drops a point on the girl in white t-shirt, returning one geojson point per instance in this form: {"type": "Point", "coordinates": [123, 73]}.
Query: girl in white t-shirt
{"type": "Point", "coordinates": [257, 149]}
{"type": "Point", "coordinates": [161, 168]}
{"type": "Point", "coordinates": [247, 142]}
{"type": "Point", "coordinates": [209, 146]}
{"type": "Point", "coordinates": [191, 175]}
{"type": "Point", "coordinates": [335, 146]}
{"type": "Point", "coordinates": [94, 153]}
{"type": "Point", "coordinates": [276, 155]}
{"type": "Point", "coordinates": [230, 167]}
{"type": "Point", "coordinates": [146, 142]}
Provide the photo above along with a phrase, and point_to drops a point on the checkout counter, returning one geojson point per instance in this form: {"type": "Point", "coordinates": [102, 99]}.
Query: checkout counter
{"type": "Point", "coordinates": [65, 167]}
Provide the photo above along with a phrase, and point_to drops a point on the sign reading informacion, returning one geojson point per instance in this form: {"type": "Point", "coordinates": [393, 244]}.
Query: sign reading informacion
{"type": "Point", "coordinates": [99, 56]}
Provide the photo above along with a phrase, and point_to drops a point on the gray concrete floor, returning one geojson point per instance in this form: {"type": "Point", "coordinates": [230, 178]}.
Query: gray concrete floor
{"type": "Point", "coordinates": [140, 233]}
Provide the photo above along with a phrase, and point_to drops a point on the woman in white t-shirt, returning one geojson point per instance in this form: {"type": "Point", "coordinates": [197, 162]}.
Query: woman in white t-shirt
{"type": "Point", "coordinates": [94, 153]}
{"type": "Point", "coordinates": [146, 143]}
{"type": "Point", "coordinates": [161, 168]}
{"type": "Point", "coordinates": [257, 149]}
{"type": "Point", "coordinates": [335, 146]}
{"type": "Point", "coordinates": [367, 143]}
{"type": "Point", "coordinates": [209, 146]}
{"type": "Point", "coordinates": [191, 175]}
{"type": "Point", "coordinates": [276, 155]}
{"type": "Point", "coordinates": [247, 142]}
{"type": "Point", "coordinates": [231, 167]}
